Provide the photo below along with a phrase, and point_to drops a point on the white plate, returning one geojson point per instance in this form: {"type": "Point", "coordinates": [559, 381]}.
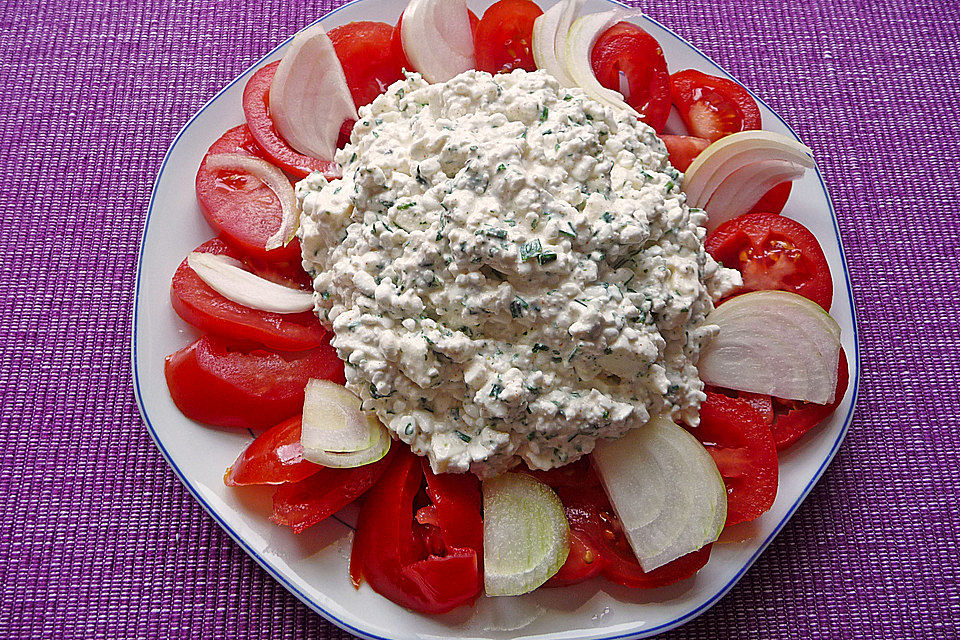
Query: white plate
{"type": "Point", "coordinates": [313, 565]}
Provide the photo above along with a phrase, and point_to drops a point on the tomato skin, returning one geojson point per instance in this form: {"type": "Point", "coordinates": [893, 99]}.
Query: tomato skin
{"type": "Point", "coordinates": [396, 46]}
{"type": "Point", "coordinates": [398, 562]}
{"type": "Point", "coordinates": [275, 457]}
{"type": "Point", "coordinates": [628, 49]}
{"type": "Point", "coordinates": [773, 252]}
{"type": "Point", "coordinates": [198, 304]}
{"type": "Point", "coordinates": [256, 109]}
{"type": "Point", "coordinates": [713, 107]}
{"type": "Point", "coordinates": [683, 150]}
{"type": "Point", "coordinates": [504, 36]}
{"type": "Point", "coordinates": [243, 210]}
{"type": "Point", "coordinates": [775, 200]}
{"type": "Point", "coordinates": [365, 50]}
{"type": "Point", "coordinates": [315, 498]}
{"type": "Point", "coordinates": [741, 444]}
{"type": "Point", "coordinates": [590, 515]}
{"type": "Point", "coordinates": [232, 384]}
{"type": "Point", "coordinates": [793, 419]}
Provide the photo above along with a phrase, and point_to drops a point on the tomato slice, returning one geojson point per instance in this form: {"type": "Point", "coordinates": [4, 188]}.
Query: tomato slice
{"type": "Point", "coordinates": [256, 109]}
{"type": "Point", "coordinates": [775, 200]}
{"type": "Point", "coordinates": [370, 62]}
{"type": "Point", "coordinates": [741, 444]}
{"type": "Point", "coordinates": [575, 474]}
{"type": "Point", "coordinates": [582, 563]}
{"type": "Point", "coordinates": [239, 206]}
{"type": "Point", "coordinates": [204, 308]}
{"type": "Point", "coordinates": [312, 500]}
{"type": "Point", "coordinates": [713, 107]}
{"type": "Point", "coordinates": [773, 252]}
{"type": "Point", "coordinates": [396, 46]}
{"type": "Point", "coordinates": [234, 384]}
{"type": "Point", "coordinates": [591, 516]}
{"type": "Point", "coordinates": [275, 457]}
{"type": "Point", "coordinates": [792, 419]}
{"type": "Point", "coordinates": [394, 554]}
{"type": "Point", "coordinates": [504, 36]}
{"type": "Point", "coordinates": [683, 149]}
{"type": "Point", "coordinates": [627, 49]}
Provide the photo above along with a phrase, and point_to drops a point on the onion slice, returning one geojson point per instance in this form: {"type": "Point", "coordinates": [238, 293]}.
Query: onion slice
{"type": "Point", "coordinates": [228, 278]}
{"type": "Point", "coordinates": [577, 51]}
{"type": "Point", "coordinates": [549, 39]}
{"type": "Point", "coordinates": [309, 96]}
{"type": "Point", "coordinates": [665, 489]}
{"type": "Point", "coordinates": [526, 537]}
{"type": "Point", "coordinates": [775, 343]}
{"type": "Point", "coordinates": [336, 432]}
{"type": "Point", "coordinates": [437, 38]}
{"type": "Point", "coordinates": [276, 181]}
{"type": "Point", "coordinates": [739, 169]}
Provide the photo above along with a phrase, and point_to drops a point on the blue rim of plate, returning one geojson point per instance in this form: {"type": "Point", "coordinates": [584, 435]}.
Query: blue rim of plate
{"type": "Point", "coordinates": [646, 633]}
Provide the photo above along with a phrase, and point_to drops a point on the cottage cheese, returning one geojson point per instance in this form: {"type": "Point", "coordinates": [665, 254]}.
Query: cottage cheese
{"type": "Point", "coordinates": [510, 271]}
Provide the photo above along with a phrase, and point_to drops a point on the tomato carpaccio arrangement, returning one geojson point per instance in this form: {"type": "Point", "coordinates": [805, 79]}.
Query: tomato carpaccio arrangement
{"type": "Point", "coordinates": [567, 360]}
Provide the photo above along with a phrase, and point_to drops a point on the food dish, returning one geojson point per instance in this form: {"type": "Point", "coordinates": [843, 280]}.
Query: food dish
{"type": "Point", "coordinates": [694, 597]}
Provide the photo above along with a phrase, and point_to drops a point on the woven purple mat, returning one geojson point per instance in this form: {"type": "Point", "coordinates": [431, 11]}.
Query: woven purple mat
{"type": "Point", "coordinates": [99, 540]}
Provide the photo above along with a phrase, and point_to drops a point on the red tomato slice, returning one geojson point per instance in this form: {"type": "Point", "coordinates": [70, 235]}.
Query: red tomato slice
{"type": "Point", "coordinates": [774, 200]}
{"type": "Point", "coordinates": [627, 49]}
{"type": "Point", "coordinates": [256, 109]}
{"type": "Point", "coordinates": [575, 474]}
{"type": "Point", "coordinates": [713, 107]}
{"type": "Point", "coordinates": [396, 46]}
{"type": "Point", "coordinates": [312, 500]}
{"type": "Point", "coordinates": [233, 384]}
{"type": "Point", "coordinates": [370, 63]}
{"type": "Point", "coordinates": [275, 457]}
{"type": "Point", "coordinates": [504, 36]}
{"type": "Point", "coordinates": [239, 206]}
{"type": "Point", "coordinates": [792, 419]}
{"type": "Point", "coordinates": [741, 444]}
{"type": "Point", "coordinates": [590, 514]}
{"type": "Point", "coordinates": [204, 308]}
{"type": "Point", "coordinates": [773, 252]}
{"type": "Point", "coordinates": [582, 564]}
{"type": "Point", "coordinates": [683, 149]}
{"type": "Point", "coordinates": [390, 550]}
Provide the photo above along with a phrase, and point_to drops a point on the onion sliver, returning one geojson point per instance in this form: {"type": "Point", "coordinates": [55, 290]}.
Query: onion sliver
{"type": "Point", "coordinates": [723, 159]}
{"type": "Point", "coordinates": [665, 489]}
{"type": "Point", "coordinates": [775, 343]}
{"type": "Point", "coordinates": [577, 51]}
{"type": "Point", "coordinates": [437, 38]}
{"type": "Point", "coordinates": [276, 181]}
{"type": "Point", "coordinates": [335, 431]}
{"type": "Point", "coordinates": [744, 187]}
{"type": "Point", "coordinates": [351, 459]}
{"type": "Point", "coordinates": [549, 39]}
{"type": "Point", "coordinates": [309, 96]}
{"type": "Point", "coordinates": [333, 421]}
{"type": "Point", "coordinates": [526, 537]}
{"type": "Point", "coordinates": [228, 278]}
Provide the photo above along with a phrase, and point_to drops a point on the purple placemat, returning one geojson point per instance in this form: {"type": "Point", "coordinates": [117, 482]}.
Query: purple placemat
{"type": "Point", "coordinates": [99, 540]}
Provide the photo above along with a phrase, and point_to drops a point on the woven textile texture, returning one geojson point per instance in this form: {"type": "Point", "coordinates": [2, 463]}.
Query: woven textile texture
{"type": "Point", "coordinates": [99, 540]}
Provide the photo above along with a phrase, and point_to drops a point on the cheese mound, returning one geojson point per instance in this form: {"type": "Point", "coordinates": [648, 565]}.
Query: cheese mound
{"type": "Point", "coordinates": [510, 271]}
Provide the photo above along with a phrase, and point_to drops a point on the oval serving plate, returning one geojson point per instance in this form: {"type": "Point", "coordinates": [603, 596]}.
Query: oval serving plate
{"type": "Point", "coordinates": [313, 565]}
